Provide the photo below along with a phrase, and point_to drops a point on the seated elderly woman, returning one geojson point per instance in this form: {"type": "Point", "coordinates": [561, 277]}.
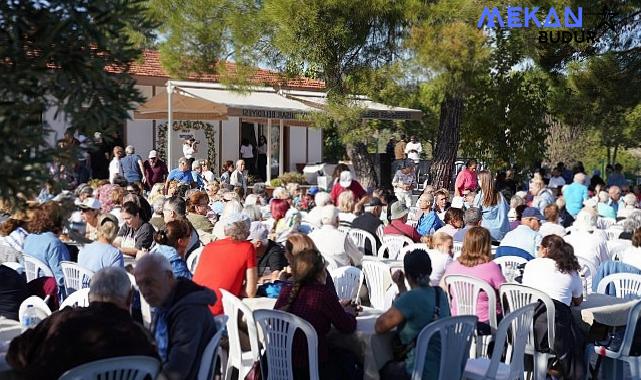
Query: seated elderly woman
{"type": "Point", "coordinates": [603, 208]}
{"type": "Point", "coordinates": [551, 225]}
{"type": "Point", "coordinates": [102, 253]}
{"type": "Point", "coordinates": [346, 203]}
{"type": "Point", "coordinates": [630, 206]}
{"type": "Point", "coordinates": [198, 210]}
{"type": "Point", "coordinates": [410, 313]}
{"type": "Point", "coordinates": [631, 224]}
{"type": "Point", "coordinates": [588, 242]}
{"type": "Point", "coordinates": [632, 255]}
{"type": "Point", "coordinates": [453, 221]}
{"type": "Point", "coordinates": [309, 283]}
{"type": "Point", "coordinates": [321, 199]}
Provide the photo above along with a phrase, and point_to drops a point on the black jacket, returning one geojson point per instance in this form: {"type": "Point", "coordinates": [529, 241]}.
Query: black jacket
{"type": "Point", "coordinates": [190, 327]}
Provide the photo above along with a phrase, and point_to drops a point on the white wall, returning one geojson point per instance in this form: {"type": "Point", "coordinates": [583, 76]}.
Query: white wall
{"type": "Point", "coordinates": [58, 125]}
{"type": "Point", "coordinates": [315, 144]}
{"type": "Point", "coordinates": [231, 140]}
{"type": "Point", "coordinates": [297, 147]}
{"type": "Point", "coordinates": [140, 133]}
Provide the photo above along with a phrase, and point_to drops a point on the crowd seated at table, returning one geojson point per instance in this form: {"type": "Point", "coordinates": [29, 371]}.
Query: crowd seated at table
{"type": "Point", "coordinates": [155, 288]}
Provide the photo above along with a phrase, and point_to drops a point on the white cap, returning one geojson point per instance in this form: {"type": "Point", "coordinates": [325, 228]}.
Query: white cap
{"type": "Point", "coordinates": [92, 203]}
{"type": "Point", "coordinates": [258, 231]}
{"type": "Point", "coordinates": [345, 179]}
{"type": "Point", "coordinates": [153, 154]}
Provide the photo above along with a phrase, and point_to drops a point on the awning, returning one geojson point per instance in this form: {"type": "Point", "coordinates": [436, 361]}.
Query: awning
{"type": "Point", "coordinates": [185, 107]}
{"type": "Point", "coordinates": [372, 109]}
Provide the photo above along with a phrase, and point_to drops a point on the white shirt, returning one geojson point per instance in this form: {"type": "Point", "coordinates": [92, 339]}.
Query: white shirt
{"type": "Point", "coordinates": [440, 261]}
{"type": "Point", "coordinates": [590, 246]}
{"type": "Point", "coordinates": [632, 256]}
{"type": "Point", "coordinates": [625, 211]}
{"type": "Point", "coordinates": [556, 182]}
{"type": "Point", "coordinates": [522, 237]}
{"type": "Point", "coordinates": [334, 245]}
{"type": "Point", "coordinates": [346, 218]}
{"type": "Point", "coordinates": [114, 169]}
{"type": "Point", "coordinates": [314, 217]}
{"type": "Point", "coordinates": [246, 151]}
{"type": "Point", "coordinates": [549, 228]}
{"type": "Point", "coordinates": [543, 274]}
{"type": "Point", "coordinates": [188, 151]}
{"type": "Point", "coordinates": [208, 175]}
{"type": "Point", "coordinates": [262, 149]}
{"type": "Point", "coordinates": [413, 146]}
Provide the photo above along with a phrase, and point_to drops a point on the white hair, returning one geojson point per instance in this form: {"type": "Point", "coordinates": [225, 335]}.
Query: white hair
{"type": "Point", "coordinates": [232, 207]}
{"type": "Point", "coordinates": [603, 197]}
{"type": "Point", "coordinates": [322, 198]}
{"type": "Point", "coordinates": [632, 222]}
{"type": "Point", "coordinates": [253, 212]}
{"type": "Point", "coordinates": [130, 149]}
{"type": "Point", "coordinates": [110, 283]}
{"type": "Point", "coordinates": [585, 220]}
{"type": "Point", "coordinates": [280, 193]}
{"type": "Point", "coordinates": [579, 178]}
{"type": "Point", "coordinates": [158, 262]}
{"type": "Point", "coordinates": [329, 215]}
{"type": "Point", "coordinates": [630, 200]}
{"type": "Point", "coordinates": [251, 200]}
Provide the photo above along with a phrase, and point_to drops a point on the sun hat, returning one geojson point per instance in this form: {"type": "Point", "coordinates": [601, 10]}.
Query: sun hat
{"type": "Point", "coordinates": [345, 179]}
{"type": "Point", "coordinates": [399, 210]}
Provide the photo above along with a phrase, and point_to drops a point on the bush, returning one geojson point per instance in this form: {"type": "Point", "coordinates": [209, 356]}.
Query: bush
{"type": "Point", "coordinates": [276, 182]}
{"type": "Point", "coordinates": [292, 177]}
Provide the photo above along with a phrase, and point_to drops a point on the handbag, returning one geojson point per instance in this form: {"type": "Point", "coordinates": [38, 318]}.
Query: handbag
{"type": "Point", "coordinates": [399, 350]}
{"type": "Point", "coordinates": [257, 369]}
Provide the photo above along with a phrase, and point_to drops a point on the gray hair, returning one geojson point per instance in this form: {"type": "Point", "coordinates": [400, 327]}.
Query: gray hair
{"type": "Point", "coordinates": [158, 206]}
{"type": "Point", "coordinates": [603, 197]}
{"type": "Point", "coordinates": [630, 199]}
{"type": "Point", "coordinates": [177, 205]}
{"type": "Point", "coordinates": [157, 262]}
{"type": "Point", "coordinates": [579, 178]}
{"type": "Point", "coordinates": [516, 201]}
{"type": "Point", "coordinates": [231, 207]}
{"type": "Point", "coordinates": [110, 283]}
{"type": "Point", "coordinates": [632, 222]}
{"type": "Point", "coordinates": [251, 200]}
{"type": "Point", "coordinates": [238, 230]}
{"type": "Point", "coordinates": [329, 215]}
{"type": "Point", "coordinates": [253, 213]}
{"type": "Point", "coordinates": [130, 149]}
{"type": "Point", "coordinates": [259, 188]}
{"type": "Point", "coordinates": [472, 216]}
{"type": "Point", "coordinates": [322, 198]}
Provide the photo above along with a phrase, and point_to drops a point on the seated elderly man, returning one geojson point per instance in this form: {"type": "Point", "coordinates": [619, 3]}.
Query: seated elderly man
{"type": "Point", "coordinates": [630, 206]}
{"type": "Point", "coordinates": [270, 255]}
{"type": "Point", "coordinates": [334, 244]}
{"type": "Point", "coordinates": [614, 192]}
{"type": "Point", "coordinates": [314, 216]}
{"type": "Point", "coordinates": [525, 238]}
{"type": "Point", "coordinates": [399, 225]}
{"type": "Point", "coordinates": [588, 242]}
{"type": "Point", "coordinates": [183, 325]}
{"type": "Point", "coordinates": [75, 336]}
{"type": "Point", "coordinates": [370, 221]}
{"type": "Point", "coordinates": [229, 263]}
{"type": "Point", "coordinates": [471, 218]}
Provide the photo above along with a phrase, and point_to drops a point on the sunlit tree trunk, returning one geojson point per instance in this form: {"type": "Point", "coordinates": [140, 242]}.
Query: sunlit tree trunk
{"type": "Point", "coordinates": [449, 134]}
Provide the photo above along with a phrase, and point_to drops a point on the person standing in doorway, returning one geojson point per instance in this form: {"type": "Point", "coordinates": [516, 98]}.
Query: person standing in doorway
{"type": "Point", "coordinates": [190, 147]}
{"type": "Point", "coordinates": [262, 157]}
{"type": "Point", "coordinates": [247, 155]}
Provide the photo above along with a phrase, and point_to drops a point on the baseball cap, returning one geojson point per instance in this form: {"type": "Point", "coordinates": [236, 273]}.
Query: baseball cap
{"type": "Point", "coordinates": [92, 203]}
{"type": "Point", "coordinates": [153, 154]}
{"type": "Point", "coordinates": [399, 210]}
{"type": "Point", "coordinates": [257, 231]}
{"type": "Point", "coordinates": [313, 190]}
{"type": "Point", "coordinates": [345, 179]}
{"type": "Point", "coordinates": [532, 212]}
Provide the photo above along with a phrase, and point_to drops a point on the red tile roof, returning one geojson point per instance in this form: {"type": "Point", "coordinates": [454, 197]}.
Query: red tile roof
{"type": "Point", "coordinates": [150, 66]}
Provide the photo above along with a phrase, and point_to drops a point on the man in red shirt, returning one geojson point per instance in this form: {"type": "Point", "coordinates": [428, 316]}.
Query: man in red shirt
{"type": "Point", "coordinates": [155, 170]}
{"type": "Point", "coordinates": [398, 226]}
{"type": "Point", "coordinates": [344, 183]}
{"type": "Point", "coordinates": [229, 263]}
{"type": "Point", "coordinates": [466, 180]}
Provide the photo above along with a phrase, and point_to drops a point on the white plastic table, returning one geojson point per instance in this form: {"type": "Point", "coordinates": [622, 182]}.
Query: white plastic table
{"type": "Point", "coordinates": [604, 309]}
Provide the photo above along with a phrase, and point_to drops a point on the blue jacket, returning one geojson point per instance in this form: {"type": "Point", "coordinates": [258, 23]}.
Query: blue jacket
{"type": "Point", "coordinates": [611, 267]}
{"type": "Point", "coordinates": [47, 248]}
{"type": "Point", "coordinates": [428, 223]}
{"type": "Point", "coordinates": [178, 265]}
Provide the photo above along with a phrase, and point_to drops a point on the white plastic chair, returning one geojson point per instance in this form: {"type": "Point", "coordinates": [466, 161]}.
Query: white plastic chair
{"type": "Point", "coordinates": [75, 276]}
{"type": "Point", "coordinates": [380, 232]}
{"type": "Point", "coordinates": [379, 279]}
{"type": "Point", "coordinates": [634, 362]}
{"type": "Point", "coordinates": [509, 266]}
{"type": "Point", "coordinates": [210, 354]}
{"type": "Point", "coordinates": [617, 247]}
{"type": "Point", "coordinates": [35, 268]}
{"type": "Point", "coordinates": [360, 238]}
{"type": "Point", "coordinates": [456, 337]}
{"type": "Point", "coordinates": [278, 329]}
{"type": "Point", "coordinates": [15, 266]}
{"type": "Point", "coordinates": [79, 298]}
{"type": "Point", "coordinates": [121, 368]}
{"type": "Point", "coordinates": [588, 270]}
{"type": "Point", "coordinates": [38, 304]}
{"type": "Point", "coordinates": [9, 329]}
{"type": "Point", "coordinates": [393, 244]}
{"type": "Point", "coordinates": [347, 281]}
{"type": "Point", "coordinates": [457, 247]}
{"type": "Point", "coordinates": [344, 229]}
{"type": "Point", "coordinates": [409, 248]}
{"type": "Point", "coordinates": [242, 361]}
{"type": "Point", "coordinates": [605, 223]}
{"type": "Point", "coordinates": [613, 232]}
{"type": "Point", "coordinates": [463, 292]}
{"type": "Point", "coordinates": [626, 285]}
{"type": "Point", "coordinates": [519, 323]}
{"type": "Point", "coordinates": [9, 254]}
{"type": "Point", "coordinates": [516, 296]}
{"type": "Point", "coordinates": [145, 308]}
{"type": "Point", "coordinates": [192, 260]}
{"type": "Point", "coordinates": [412, 223]}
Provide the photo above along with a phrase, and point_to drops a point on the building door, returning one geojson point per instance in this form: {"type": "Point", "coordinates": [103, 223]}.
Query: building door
{"type": "Point", "coordinates": [248, 135]}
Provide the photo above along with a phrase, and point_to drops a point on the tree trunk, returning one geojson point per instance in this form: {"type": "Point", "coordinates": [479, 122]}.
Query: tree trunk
{"type": "Point", "coordinates": [614, 155]}
{"type": "Point", "coordinates": [364, 165]}
{"type": "Point", "coordinates": [607, 148]}
{"type": "Point", "coordinates": [449, 134]}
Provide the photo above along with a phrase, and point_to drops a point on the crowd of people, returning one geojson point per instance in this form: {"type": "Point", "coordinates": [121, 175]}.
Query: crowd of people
{"type": "Point", "coordinates": [146, 221]}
